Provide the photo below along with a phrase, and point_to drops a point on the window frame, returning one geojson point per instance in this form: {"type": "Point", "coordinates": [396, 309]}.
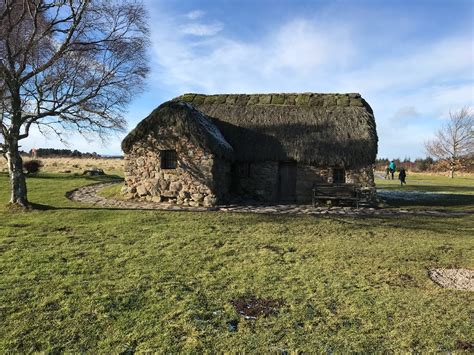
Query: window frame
{"type": "Point", "coordinates": [168, 159]}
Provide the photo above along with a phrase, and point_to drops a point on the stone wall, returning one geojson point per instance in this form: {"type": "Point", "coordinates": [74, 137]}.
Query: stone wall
{"type": "Point", "coordinates": [307, 175]}
{"type": "Point", "coordinates": [261, 182]}
{"type": "Point", "coordinates": [200, 178]}
{"type": "Point", "coordinates": [364, 179]}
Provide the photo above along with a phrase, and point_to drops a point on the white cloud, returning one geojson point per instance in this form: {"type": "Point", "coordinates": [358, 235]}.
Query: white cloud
{"type": "Point", "coordinates": [190, 25]}
{"type": "Point", "coordinates": [432, 64]}
{"type": "Point", "coordinates": [280, 61]}
{"type": "Point", "coordinates": [194, 15]}
{"type": "Point", "coordinates": [410, 90]}
{"type": "Point", "coordinates": [406, 112]}
{"type": "Point", "coordinates": [301, 55]}
{"type": "Point", "coordinates": [200, 29]}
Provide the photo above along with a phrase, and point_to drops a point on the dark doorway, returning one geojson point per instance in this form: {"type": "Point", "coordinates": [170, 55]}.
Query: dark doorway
{"type": "Point", "coordinates": [287, 181]}
{"type": "Point", "coordinates": [339, 176]}
{"type": "Point", "coordinates": [239, 171]}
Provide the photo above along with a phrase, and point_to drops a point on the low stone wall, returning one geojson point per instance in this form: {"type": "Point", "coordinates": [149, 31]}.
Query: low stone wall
{"type": "Point", "coordinates": [363, 177]}
{"type": "Point", "coordinates": [200, 178]}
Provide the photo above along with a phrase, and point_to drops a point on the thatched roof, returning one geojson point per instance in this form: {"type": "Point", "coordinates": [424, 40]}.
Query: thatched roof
{"type": "Point", "coordinates": [320, 129]}
{"type": "Point", "coordinates": [189, 122]}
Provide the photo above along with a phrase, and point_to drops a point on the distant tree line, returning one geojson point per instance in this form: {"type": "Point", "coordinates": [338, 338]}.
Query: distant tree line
{"type": "Point", "coordinates": [53, 152]}
{"type": "Point", "coordinates": [421, 165]}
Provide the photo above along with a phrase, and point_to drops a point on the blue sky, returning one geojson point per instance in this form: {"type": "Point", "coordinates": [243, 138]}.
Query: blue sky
{"type": "Point", "coordinates": [413, 61]}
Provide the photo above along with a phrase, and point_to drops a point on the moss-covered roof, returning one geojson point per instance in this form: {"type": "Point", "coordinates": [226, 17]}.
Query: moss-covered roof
{"type": "Point", "coordinates": [319, 129]}
{"type": "Point", "coordinates": [285, 99]}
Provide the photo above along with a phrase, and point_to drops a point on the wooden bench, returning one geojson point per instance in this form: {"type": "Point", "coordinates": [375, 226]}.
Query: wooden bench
{"type": "Point", "coordinates": [335, 192]}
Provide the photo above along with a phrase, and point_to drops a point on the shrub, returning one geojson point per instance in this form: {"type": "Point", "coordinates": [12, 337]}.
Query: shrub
{"type": "Point", "coordinates": [32, 166]}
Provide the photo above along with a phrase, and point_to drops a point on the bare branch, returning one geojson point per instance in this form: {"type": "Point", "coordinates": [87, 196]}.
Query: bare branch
{"type": "Point", "coordinates": [454, 142]}
{"type": "Point", "coordinates": [75, 17]}
{"type": "Point", "coordinates": [67, 65]}
{"type": "Point", "coordinates": [86, 61]}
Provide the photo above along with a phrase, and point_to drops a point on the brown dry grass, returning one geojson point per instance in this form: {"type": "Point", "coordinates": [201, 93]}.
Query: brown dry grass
{"type": "Point", "coordinates": [69, 165]}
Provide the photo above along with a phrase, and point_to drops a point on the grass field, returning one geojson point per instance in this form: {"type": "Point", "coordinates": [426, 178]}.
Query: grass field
{"type": "Point", "coordinates": [74, 165]}
{"type": "Point", "coordinates": [77, 278]}
{"type": "Point", "coordinates": [424, 191]}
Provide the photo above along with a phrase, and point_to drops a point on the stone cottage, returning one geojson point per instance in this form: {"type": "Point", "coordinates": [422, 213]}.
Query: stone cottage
{"type": "Point", "coordinates": [205, 149]}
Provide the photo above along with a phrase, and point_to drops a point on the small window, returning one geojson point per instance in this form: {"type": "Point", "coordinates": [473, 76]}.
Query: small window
{"type": "Point", "coordinates": [169, 159]}
{"type": "Point", "coordinates": [339, 176]}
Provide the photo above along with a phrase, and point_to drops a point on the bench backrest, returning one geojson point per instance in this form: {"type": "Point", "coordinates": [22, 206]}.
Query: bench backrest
{"type": "Point", "coordinates": [343, 190]}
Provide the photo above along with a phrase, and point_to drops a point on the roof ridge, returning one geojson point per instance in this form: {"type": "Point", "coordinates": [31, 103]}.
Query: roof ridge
{"type": "Point", "coordinates": [290, 99]}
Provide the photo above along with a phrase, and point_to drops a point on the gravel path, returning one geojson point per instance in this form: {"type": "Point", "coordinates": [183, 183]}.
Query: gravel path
{"type": "Point", "coordinates": [88, 194]}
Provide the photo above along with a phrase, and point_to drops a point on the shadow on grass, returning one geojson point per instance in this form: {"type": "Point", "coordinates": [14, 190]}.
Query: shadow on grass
{"type": "Point", "coordinates": [41, 207]}
{"type": "Point", "coordinates": [87, 208]}
{"type": "Point", "coordinates": [428, 188]}
{"type": "Point", "coordinates": [98, 178]}
{"type": "Point", "coordinates": [454, 200]}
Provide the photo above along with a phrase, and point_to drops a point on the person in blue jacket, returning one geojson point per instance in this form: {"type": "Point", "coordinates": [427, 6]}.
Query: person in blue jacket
{"type": "Point", "coordinates": [392, 168]}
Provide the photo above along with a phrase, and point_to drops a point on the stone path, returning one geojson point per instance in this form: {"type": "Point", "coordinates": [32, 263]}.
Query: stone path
{"type": "Point", "coordinates": [88, 194]}
{"type": "Point", "coordinates": [457, 279]}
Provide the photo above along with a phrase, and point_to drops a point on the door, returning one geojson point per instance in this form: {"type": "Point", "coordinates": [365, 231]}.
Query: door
{"type": "Point", "coordinates": [287, 181]}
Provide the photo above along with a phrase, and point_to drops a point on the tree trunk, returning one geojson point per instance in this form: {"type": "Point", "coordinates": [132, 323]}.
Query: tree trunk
{"type": "Point", "coordinates": [451, 172]}
{"type": "Point", "coordinates": [17, 177]}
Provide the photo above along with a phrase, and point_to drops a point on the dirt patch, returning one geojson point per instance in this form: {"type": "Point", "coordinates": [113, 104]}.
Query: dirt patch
{"type": "Point", "coordinates": [465, 345]}
{"type": "Point", "coordinates": [456, 279]}
{"type": "Point", "coordinates": [405, 277]}
{"type": "Point", "coordinates": [252, 308]}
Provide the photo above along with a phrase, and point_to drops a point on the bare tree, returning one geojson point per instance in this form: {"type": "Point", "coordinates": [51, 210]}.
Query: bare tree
{"type": "Point", "coordinates": [454, 142]}
{"type": "Point", "coordinates": [67, 64]}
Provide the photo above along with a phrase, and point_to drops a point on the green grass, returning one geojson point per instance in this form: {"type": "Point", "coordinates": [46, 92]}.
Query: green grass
{"type": "Point", "coordinates": [112, 192]}
{"type": "Point", "coordinates": [434, 183]}
{"type": "Point", "coordinates": [454, 194]}
{"type": "Point", "coordinates": [77, 278]}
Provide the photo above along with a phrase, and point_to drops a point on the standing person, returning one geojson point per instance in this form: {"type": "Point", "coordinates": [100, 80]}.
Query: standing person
{"type": "Point", "coordinates": [392, 168]}
{"type": "Point", "coordinates": [402, 176]}
{"type": "Point", "coordinates": [387, 173]}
